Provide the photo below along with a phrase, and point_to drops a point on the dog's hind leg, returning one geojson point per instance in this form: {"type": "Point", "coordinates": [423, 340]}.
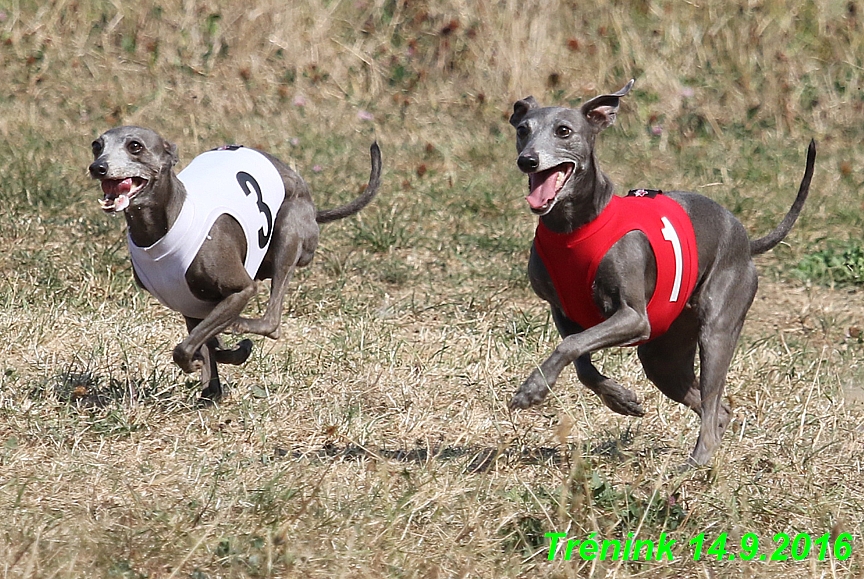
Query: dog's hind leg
{"type": "Point", "coordinates": [721, 320]}
{"type": "Point", "coordinates": [294, 240]}
{"type": "Point", "coordinates": [615, 396]}
{"type": "Point", "coordinates": [210, 355]}
{"type": "Point", "coordinates": [269, 324]}
{"type": "Point", "coordinates": [668, 362]}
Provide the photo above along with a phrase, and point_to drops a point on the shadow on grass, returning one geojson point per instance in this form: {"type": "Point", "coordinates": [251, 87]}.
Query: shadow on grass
{"type": "Point", "coordinates": [88, 388]}
{"type": "Point", "coordinates": [480, 459]}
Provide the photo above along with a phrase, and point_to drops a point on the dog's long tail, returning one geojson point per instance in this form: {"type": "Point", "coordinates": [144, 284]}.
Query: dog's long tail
{"type": "Point", "coordinates": [763, 244]}
{"type": "Point", "coordinates": [328, 215]}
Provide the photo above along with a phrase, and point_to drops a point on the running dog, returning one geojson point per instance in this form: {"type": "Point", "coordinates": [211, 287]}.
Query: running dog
{"type": "Point", "coordinates": [669, 272]}
{"type": "Point", "coordinates": [200, 240]}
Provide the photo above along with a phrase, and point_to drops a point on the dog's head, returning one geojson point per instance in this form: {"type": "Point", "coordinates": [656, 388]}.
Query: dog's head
{"type": "Point", "coordinates": [128, 161]}
{"type": "Point", "coordinates": [556, 143]}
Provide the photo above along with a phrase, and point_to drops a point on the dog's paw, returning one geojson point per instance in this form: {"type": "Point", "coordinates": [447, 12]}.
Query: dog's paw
{"type": "Point", "coordinates": [187, 363]}
{"type": "Point", "coordinates": [238, 327]}
{"type": "Point", "coordinates": [236, 355]}
{"type": "Point", "coordinates": [533, 391]}
{"type": "Point", "coordinates": [211, 394]}
{"type": "Point", "coordinates": [260, 326]}
{"type": "Point", "coordinates": [688, 467]}
{"type": "Point", "coordinates": [275, 334]}
{"type": "Point", "coordinates": [624, 402]}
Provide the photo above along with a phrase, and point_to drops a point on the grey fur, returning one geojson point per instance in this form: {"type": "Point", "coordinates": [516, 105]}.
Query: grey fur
{"type": "Point", "coordinates": [216, 273]}
{"type": "Point", "coordinates": [714, 315]}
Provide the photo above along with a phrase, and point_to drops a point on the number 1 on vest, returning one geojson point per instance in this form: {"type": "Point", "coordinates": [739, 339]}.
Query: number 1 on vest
{"type": "Point", "coordinates": [669, 234]}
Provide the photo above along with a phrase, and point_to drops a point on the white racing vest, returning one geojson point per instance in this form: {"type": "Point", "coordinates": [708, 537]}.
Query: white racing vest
{"type": "Point", "coordinates": [235, 181]}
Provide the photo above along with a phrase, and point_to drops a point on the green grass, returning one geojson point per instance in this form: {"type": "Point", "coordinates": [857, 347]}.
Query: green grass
{"type": "Point", "coordinates": [373, 439]}
{"type": "Point", "coordinates": [835, 265]}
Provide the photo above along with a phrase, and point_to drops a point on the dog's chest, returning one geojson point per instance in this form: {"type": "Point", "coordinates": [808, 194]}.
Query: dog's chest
{"type": "Point", "coordinates": [572, 260]}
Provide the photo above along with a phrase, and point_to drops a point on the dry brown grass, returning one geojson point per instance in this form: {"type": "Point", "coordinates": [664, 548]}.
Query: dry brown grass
{"type": "Point", "coordinates": [373, 439]}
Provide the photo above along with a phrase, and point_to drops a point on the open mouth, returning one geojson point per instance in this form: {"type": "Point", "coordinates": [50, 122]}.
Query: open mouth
{"type": "Point", "coordinates": [119, 192]}
{"type": "Point", "coordinates": [545, 185]}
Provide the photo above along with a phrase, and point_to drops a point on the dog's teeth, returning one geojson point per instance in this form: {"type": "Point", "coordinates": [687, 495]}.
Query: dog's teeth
{"type": "Point", "coordinates": [121, 203]}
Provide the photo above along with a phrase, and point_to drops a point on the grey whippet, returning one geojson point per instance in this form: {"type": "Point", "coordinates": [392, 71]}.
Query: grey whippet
{"type": "Point", "coordinates": [135, 167]}
{"type": "Point", "coordinates": [556, 149]}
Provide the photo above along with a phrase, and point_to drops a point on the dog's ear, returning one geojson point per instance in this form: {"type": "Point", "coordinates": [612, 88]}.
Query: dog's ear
{"type": "Point", "coordinates": [171, 151]}
{"type": "Point", "coordinates": [601, 110]}
{"type": "Point", "coordinates": [520, 108]}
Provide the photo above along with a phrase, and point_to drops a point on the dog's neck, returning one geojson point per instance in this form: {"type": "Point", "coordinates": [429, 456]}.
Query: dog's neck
{"type": "Point", "coordinates": [592, 191]}
{"type": "Point", "coordinates": [151, 216]}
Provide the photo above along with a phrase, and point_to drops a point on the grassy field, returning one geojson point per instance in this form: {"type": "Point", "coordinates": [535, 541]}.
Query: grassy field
{"type": "Point", "coordinates": [373, 439]}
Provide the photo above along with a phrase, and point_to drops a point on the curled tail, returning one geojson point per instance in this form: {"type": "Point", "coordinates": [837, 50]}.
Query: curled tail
{"type": "Point", "coordinates": [328, 215]}
{"type": "Point", "coordinates": [763, 244]}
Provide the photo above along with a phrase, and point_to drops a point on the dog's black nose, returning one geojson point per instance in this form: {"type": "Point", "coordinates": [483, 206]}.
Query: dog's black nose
{"type": "Point", "coordinates": [528, 162]}
{"type": "Point", "coordinates": [99, 168]}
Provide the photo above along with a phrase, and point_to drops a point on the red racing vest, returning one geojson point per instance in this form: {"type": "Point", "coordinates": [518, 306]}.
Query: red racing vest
{"type": "Point", "coordinates": [572, 258]}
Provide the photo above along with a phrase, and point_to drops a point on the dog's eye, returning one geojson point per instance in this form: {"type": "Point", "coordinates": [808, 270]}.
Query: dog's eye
{"type": "Point", "coordinates": [522, 131]}
{"type": "Point", "coordinates": [135, 147]}
{"type": "Point", "coordinates": [563, 132]}
{"type": "Point", "coordinates": [97, 148]}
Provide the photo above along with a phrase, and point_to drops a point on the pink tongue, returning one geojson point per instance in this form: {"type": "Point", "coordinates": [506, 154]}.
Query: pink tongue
{"type": "Point", "coordinates": [115, 187]}
{"type": "Point", "coordinates": [542, 187]}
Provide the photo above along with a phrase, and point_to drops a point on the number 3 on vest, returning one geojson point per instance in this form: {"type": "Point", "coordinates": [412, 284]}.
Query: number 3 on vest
{"type": "Point", "coordinates": [669, 234]}
{"type": "Point", "coordinates": [245, 180]}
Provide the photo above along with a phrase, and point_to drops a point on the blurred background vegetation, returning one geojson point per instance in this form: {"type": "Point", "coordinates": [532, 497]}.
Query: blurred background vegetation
{"type": "Point", "coordinates": [726, 98]}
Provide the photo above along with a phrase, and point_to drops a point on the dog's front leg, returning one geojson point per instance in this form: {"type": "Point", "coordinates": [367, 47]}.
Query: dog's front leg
{"type": "Point", "coordinates": [615, 396]}
{"type": "Point", "coordinates": [625, 326]}
{"type": "Point", "coordinates": [234, 356]}
{"type": "Point", "coordinates": [220, 318]}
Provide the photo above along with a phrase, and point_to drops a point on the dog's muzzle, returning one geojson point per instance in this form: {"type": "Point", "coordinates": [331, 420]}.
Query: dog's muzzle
{"type": "Point", "coordinates": [118, 193]}
{"type": "Point", "coordinates": [545, 185]}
